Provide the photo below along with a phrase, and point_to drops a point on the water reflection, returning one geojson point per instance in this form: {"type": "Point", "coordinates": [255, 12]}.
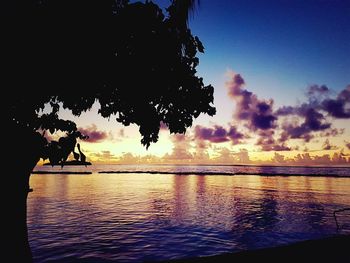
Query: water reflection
{"type": "Point", "coordinates": [135, 217]}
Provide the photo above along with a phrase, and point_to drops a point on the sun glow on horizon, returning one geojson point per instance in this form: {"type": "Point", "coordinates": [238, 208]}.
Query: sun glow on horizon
{"type": "Point", "coordinates": [224, 141]}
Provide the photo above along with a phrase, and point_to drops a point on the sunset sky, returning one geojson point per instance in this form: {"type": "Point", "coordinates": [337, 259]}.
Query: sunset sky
{"type": "Point", "coordinates": [281, 73]}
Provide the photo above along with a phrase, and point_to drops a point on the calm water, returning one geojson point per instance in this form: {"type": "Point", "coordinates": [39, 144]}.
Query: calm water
{"type": "Point", "coordinates": [137, 217]}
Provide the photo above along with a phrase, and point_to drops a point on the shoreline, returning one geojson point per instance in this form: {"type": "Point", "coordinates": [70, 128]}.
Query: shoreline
{"type": "Point", "coordinates": [330, 249]}
{"type": "Point", "coordinates": [60, 172]}
{"type": "Point", "coordinates": [194, 173]}
{"type": "Point", "coordinates": [215, 165]}
{"type": "Point", "coordinates": [222, 173]}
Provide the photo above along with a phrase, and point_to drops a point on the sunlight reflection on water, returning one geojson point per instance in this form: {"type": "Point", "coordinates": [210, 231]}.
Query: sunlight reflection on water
{"type": "Point", "coordinates": [137, 217]}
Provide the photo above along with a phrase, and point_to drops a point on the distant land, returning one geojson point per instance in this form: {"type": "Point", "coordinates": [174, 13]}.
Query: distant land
{"type": "Point", "coordinates": [74, 162]}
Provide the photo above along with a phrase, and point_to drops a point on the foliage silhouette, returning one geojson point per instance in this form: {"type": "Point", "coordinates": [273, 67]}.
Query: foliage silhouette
{"type": "Point", "coordinates": [138, 64]}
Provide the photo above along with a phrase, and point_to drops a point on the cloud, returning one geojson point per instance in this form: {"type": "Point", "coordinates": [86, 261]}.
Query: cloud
{"type": "Point", "coordinates": [128, 158]}
{"type": "Point", "coordinates": [316, 90]}
{"type": "Point", "coordinates": [268, 143]}
{"type": "Point", "coordinates": [314, 113]}
{"type": "Point", "coordinates": [121, 133]}
{"type": "Point", "coordinates": [278, 158]}
{"type": "Point", "coordinates": [306, 159]}
{"type": "Point", "coordinates": [338, 158]}
{"type": "Point", "coordinates": [338, 107]}
{"type": "Point", "coordinates": [243, 156]}
{"type": "Point", "coordinates": [313, 121]}
{"type": "Point", "coordinates": [327, 145]}
{"type": "Point", "coordinates": [235, 86]}
{"type": "Point", "coordinates": [305, 121]}
{"type": "Point", "coordinates": [227, 156]}
{"type": "Point", "coordinates": [319, 101]}
{"type": "Point", "coordinates": [181, 148]}
{"type": "Point", "coordinates": [286, 110]}
{"type": "Point", "coordinates": [257, 113]}
{"type": "Point", "coordinates": [347, 144]}
{"type": "Point", "coordinates": [223, 156]}
{"type": "Point", "coordinates": [94, 135]}
{"type": "Point", "coordinates": [332, 132]}
{"type": "Point", "coordinates": [103, 157]}
{"type": "Point", "coordinates": [117, 136]}
{"type": "Point", "coordinates": [218, 134]}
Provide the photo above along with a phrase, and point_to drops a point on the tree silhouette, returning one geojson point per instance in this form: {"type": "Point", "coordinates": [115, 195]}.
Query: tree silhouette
{"type": "Point", "coordinates": [138, 64]}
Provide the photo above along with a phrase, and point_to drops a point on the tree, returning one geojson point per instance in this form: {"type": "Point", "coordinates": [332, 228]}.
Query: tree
{"type": "Point", "coordinates": [138, 64]}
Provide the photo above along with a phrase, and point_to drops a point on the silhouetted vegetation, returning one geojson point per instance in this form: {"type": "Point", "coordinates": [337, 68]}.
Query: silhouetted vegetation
{"type": "Point", "coordinates": [138, 63]}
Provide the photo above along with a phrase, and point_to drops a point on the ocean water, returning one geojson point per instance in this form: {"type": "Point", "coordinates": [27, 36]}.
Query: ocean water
{"type": "Point", "coordinates": [187, 212]}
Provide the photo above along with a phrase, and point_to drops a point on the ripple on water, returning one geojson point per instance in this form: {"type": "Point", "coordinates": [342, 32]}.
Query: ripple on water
{"type": "Point", "coordinates": [135, 217]}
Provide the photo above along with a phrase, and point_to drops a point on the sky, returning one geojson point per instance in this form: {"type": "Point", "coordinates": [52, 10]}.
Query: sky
{"type": "Point", "coordinates": [281, 77]}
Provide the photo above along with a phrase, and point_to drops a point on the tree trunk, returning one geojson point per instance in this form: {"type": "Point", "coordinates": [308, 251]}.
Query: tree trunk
{"type": "Point", "coordinates": [19, 168]}
{"type": "Point", "coordinates": [18, 241]}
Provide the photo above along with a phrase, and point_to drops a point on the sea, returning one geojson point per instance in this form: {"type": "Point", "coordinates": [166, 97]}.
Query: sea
{"type": "Point", "coordinates": [138, 213]}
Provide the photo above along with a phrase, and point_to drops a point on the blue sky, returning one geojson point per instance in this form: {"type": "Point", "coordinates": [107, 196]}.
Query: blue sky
{"type": "Point", "coordinates": [278, 46]}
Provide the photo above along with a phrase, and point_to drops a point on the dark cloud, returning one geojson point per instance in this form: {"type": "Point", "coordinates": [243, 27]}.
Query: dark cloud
{"type": "Point", "coordinates": [235, 86]}
{"type": "Point", "coordinates": [347, 144]}
{"type": "Point", "coordinates": [244, 98]}
{"type": "Point", "coordinates": [94, 135]}
{"type": "Point", "coordinates": [327, 145]}
{"type": "Point", "coordinates": [313, 121]}
{"type": "Point", "coordinates": [267, 142]}
{"type": "Point", "coordinates": [295, 132]}
{"type": "Point", "coordinates": [332, 132]}
{"type": "Point", "coordinates": [319, 101]}
{"type": "Point", "coordinates": [316, 90]}
{"type": "Point", "coordinates": [291, 131]}
{"type": "Point", "coordinates": [259, 116]}
{"type": "Point", "coordinates": [335, 108]}
{"type": "Point", "coordinates": [306, 121]}
{"type": "Point", "coordinates": [257, 113]}
{"type": "Point", "coordinates": [338, 107]}
{"type": "Point", "coordinates": [235, 136]}
{"type": "Point", "coordinates": [286, 110]}
{"type": "Point", "coordinates": [264, 122]}
{"type": "Point", "coordinates": [218, 134]}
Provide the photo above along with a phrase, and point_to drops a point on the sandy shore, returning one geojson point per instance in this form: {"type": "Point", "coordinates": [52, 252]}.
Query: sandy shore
{"type": "Point", "coordinates": [333, 249]}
